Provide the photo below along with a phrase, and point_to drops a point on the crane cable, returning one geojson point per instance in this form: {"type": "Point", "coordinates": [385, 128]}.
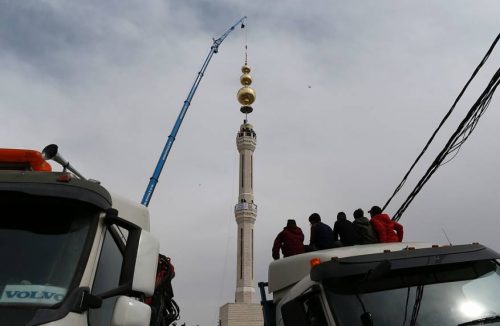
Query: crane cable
{"type": "Point", "coordinates": [485, 58]}
{"type": "Point", "coordinates": [246, 42]}
{"type": "Point", "coordinates": [458, 138]}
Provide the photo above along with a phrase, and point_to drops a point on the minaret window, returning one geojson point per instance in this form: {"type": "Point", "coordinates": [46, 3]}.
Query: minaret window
{"type": "Point", "coordinates": [242, 160]}
{"type": "Point", "coordinates": [252, 253]}
{"type": "Point", "coordinates": [251, 171]}
{"type": "Point", "coordinates": [241, 253]}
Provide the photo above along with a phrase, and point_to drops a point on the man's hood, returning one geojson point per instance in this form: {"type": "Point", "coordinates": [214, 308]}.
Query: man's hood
{"type": "Point", "coordinates": [362, 220]}
{"type": "Point", "coordinates": [293, 229]}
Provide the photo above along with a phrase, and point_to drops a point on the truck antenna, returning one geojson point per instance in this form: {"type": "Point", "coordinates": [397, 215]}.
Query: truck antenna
{"type": "Point", "coordinates": [447, 239]}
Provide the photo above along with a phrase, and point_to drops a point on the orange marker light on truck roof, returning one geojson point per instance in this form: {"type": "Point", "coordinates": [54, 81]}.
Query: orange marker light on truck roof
{"type": "Point", "coordinates": [314, 262]}
{"type": "Point", "coordinates": [65, 177]}
{"type": "Point", "coordinates": [31, 158]}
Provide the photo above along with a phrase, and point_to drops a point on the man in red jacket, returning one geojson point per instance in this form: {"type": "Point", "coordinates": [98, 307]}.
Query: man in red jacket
{"type": "Point", "coordinates": [290, 241]}
{"type": "Point", "coordinates": [387, 230]}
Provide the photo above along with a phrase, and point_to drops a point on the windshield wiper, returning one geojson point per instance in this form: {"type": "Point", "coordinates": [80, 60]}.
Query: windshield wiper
{"type": "Point", "coordinates": [482, 321]}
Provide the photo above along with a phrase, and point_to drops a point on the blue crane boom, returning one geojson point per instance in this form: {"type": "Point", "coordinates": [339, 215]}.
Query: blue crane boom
{"type": "Point", "coordinates": [171, 138]}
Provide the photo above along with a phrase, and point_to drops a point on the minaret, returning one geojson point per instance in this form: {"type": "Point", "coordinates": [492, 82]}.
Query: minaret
{"type": "Point", "coordinates": [244, 312]}
{"type": "Point", "coordinates": [245, 210]}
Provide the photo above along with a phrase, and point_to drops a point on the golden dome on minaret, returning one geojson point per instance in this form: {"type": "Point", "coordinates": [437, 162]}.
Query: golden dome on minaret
{"type": "Point", "coordinates": [246, 95]}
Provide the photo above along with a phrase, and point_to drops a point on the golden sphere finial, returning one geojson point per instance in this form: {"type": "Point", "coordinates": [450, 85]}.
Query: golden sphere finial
{"type": "Point", "coordinates": [246, 95]}
{"type": "Point", "coordinates": [246, 80]}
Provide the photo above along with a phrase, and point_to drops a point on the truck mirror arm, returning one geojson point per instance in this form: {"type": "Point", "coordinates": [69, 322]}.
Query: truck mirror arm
{"type": "Point", "coordinates": [120, 290]}
{"type": "Point", "coordinates": [113, 218]}
{"type": "Point", "coordinates": [131, 247]}
{"type": "Point", "coordinates": [88, 301]}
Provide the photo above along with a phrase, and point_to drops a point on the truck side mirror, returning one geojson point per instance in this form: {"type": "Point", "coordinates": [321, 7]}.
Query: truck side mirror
{"type": "Point", "coordinates": [366, 319]}
{"type": "Point", "coordinates": [146, 264]}
{"type": "Point", "coordinates": [140, 259]}
{"type": "Point", "coordinates": [130, 312]}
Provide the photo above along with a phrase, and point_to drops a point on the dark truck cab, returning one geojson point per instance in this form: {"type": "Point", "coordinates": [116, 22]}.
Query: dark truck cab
{"type": "Point", "coordinates": [386, 284]}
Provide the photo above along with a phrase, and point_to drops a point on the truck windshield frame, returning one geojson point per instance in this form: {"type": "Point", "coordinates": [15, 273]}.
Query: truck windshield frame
{"type": "Point", "coordinates": [448, 294]}
{"type": "Point", "coordinates": [45, 243]}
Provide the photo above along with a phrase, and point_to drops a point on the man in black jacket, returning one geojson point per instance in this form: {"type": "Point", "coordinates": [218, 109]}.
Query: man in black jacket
{"type": "Point", "coordinates": [321, 234]}
{"type": "Point", "coordinates": [344, 229]}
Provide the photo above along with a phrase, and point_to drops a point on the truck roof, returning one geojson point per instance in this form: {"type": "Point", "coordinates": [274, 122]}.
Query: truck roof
{"type": "Point", "coordinates": [66, 185]}
{"type": "Point", "coordinates": [285, 272]}
{"type": "Point", "coordinates": [59, 184]}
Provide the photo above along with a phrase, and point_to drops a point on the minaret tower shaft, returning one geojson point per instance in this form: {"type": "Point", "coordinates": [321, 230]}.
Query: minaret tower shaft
{"type": "Point", "coordinates": [244, 311]}
{"type": "Point", "coordinates": [245, 210]}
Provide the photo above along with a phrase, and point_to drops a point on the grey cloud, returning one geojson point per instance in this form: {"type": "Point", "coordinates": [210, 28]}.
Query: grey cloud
{"type": "Point", "coordinates": [57, 38]}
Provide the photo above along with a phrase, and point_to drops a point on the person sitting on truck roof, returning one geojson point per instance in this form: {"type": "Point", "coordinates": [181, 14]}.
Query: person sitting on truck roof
{"type": "Point", "coordinates": [321, 234]}
{"type": "Point", "coordinates": [366, 233]}
{"type": "Point", "coordinates": [386, 229]}
{"type": "Point", "coordinates": [290, 241]}
{"type": "Point", "coordinates": [344, 229]}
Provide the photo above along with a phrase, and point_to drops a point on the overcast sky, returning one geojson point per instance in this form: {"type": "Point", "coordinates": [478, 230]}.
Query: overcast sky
{"type": "Point", "coordinates": [347, 95]}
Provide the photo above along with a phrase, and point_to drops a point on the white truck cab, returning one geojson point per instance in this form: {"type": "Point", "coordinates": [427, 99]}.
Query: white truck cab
{"type": "Point", "coordinates": [385, 284]}
{"type": "Point", "coordinates": [71, 253]}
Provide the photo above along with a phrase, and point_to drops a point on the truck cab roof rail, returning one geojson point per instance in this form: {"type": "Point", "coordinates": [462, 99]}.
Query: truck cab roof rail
{"type": "Point", "coordinates": [403, 259]}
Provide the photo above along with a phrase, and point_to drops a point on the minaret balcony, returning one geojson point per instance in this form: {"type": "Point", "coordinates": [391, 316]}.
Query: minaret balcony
{"type": "Point", "coordinates": [245, 207]}
{"type": "Point", "coordinates": [246, 143]}
{"type": "Point", "coordinates": [247, 133]}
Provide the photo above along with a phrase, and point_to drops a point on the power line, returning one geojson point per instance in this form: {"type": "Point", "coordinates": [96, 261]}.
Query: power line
{"type": "Point", "coordinates": [458, 138]}
{"type": "Point", "coordinates": [485, 58]}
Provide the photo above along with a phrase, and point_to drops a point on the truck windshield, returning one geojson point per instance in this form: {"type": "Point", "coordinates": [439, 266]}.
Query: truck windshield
{"type": "Point", "coordinates": [42, 241]}
{"type": "Point", "coordinates": [467, 294]}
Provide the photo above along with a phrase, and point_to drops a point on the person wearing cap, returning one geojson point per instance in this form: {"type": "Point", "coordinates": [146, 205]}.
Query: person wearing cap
{"type": "Point", "coordinates": [321, 234]}
{"type": "Point", "coordinates": [366, 233]}
{"type": "Point", "coordinates": [387, 230]}
{"type": "Point", "coordinates": [344, 229]}
{"type": "Point", "coordinates": [290, 241]}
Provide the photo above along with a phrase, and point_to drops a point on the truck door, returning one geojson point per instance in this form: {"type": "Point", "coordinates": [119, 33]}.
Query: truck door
{"type": "Point", "coordinates": [126, 270]}
{"type": "Point", "coordinates": [307, 309]}
{"type": "Point", "coordinates": [107, 277]}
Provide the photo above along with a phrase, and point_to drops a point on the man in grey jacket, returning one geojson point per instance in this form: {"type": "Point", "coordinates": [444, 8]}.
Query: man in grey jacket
{"type": "Point", "coordinates": [364, 228]}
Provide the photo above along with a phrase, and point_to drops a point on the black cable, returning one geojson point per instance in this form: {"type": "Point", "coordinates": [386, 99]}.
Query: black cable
{"type": "Point", "coordinates": [406, 305]}
{"type": "Point", "coordinates": [361, 302]}
{"type": "Point", "coordinates": [463, 131]}
{"type": "Point", "coordinates": [416, 306]}
{"type": "Point", "coordinates": [485, 58]}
